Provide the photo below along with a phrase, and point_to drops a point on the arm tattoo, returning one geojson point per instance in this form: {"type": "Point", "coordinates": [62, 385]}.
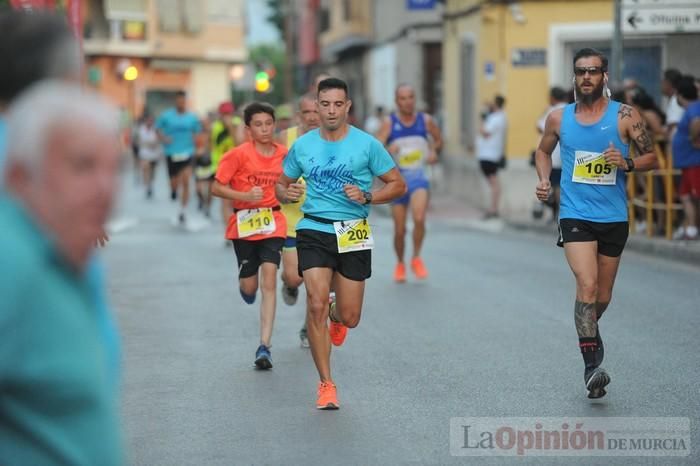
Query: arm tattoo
{"type": "Point", "coordinates": [641, 138]}
{"type": "Point", "coordinates": [625, 112]}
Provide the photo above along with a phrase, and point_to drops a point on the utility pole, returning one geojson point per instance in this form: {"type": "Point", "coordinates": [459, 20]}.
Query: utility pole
{"type": "Point", "coordinates": [288, 9]}
{"type": "Point", "coordinates": [616, 58]}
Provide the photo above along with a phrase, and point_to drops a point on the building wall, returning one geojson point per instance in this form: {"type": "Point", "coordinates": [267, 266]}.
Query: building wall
{"type": "Point", "coordinates": [360, 23]}
{"type": "Point", "coordinates": [682, 52]}
{"type": "Point", "coordinates": [132, 95]}
{"type": "Point", "coordinates": [390, 16]}
{"type": "Point", "coordinates": [496, 33]}
{"type": "Point", "coordinates": [209, 87]}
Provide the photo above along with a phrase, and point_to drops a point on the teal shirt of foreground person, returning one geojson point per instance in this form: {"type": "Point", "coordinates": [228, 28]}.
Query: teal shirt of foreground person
{"type": "Point", "coordinates": [96, 280]}
{"type": "Point", "coordinates": [58, 404]}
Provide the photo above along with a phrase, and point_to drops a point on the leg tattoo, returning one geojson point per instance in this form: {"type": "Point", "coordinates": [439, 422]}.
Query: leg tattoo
{"type": "Point", "coordinates": [586, 321]}
{"type": "Point", "coordinates": [585, 316]}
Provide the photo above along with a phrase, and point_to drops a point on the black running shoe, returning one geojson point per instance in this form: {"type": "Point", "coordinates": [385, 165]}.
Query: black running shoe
{"type": "Point", "coordinates": [173, 195]}
{"type": "Point", "coordinates": [596, 380]}
{"type": "Point", "coordinates": [289, 295]}
{"type": "Point", "coordinates": [263, 358]}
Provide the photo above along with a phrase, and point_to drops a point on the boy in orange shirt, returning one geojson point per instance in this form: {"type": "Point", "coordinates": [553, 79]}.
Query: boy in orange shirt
{"type": "Point", "coordinates": [247, 175]}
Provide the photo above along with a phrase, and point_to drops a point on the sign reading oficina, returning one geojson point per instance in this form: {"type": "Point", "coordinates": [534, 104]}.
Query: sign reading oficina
{"type": "Point", "coordinates": [660, 16]}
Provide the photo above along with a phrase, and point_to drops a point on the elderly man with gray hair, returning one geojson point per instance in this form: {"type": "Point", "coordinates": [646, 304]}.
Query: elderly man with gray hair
{"type": "Point", "coordinates": [57, 402]}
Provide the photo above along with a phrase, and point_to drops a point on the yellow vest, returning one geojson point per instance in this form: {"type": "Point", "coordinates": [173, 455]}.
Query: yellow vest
{"type": "Point", "coordinates": [292, 212]}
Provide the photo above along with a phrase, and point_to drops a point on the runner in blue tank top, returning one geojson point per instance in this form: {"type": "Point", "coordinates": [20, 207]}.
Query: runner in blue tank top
{"type": "Point", "coordinates": [594, 134]}
{"type": "Point", "coordinates": [413, 139]}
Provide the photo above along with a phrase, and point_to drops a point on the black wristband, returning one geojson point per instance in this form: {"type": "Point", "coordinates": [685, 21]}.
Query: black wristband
{"type": "Point", "coordinates": [630, 165]}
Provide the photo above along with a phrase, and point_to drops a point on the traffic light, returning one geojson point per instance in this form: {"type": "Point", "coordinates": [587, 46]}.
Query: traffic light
{"type": "Point", "coordinates": [262, 82]}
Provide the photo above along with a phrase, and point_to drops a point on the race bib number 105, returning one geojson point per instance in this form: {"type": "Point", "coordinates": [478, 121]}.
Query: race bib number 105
{"type": "Point", "coordinates": [591, 168]}
{"type": "Point", "coordinates": [353, 235]}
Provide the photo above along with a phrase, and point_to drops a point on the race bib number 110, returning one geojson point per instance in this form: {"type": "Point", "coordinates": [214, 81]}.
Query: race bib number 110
{"type": "Point", "coordinates": [255, 222]}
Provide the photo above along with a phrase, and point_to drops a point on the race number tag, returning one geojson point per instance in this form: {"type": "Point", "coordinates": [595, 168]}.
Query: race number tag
{"type": "Point", "coordinates": [591, 168]}
{"type": "Point", "coordinates": [353, 235]}
{"type": "Point", "coordinates": [410, 159]}
{"type": "Point", "coordinates": [255, 222]}
{"type": "Point", "coordinates": [180, 157]}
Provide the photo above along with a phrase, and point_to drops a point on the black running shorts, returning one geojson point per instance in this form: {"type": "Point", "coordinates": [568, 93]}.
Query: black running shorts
{"type": "Point", "coordinates": [251, 254]}
{"type": "Point", "coordinates": [488, 168]}
{"type": "Point", "coordinates": [319, 249]}
{"type": "Point", "coordinates": [174, 168]}
{"type": "Point", "coordinates": [611, 237]}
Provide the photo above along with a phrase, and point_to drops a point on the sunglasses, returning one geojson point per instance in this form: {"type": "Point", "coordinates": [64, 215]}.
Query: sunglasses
{"type": "Point", "coordinates": [592, 70]}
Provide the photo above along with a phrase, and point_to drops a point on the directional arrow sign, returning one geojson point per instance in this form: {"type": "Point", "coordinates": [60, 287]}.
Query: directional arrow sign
{"type": "Point", "coordinates": [661, 20]}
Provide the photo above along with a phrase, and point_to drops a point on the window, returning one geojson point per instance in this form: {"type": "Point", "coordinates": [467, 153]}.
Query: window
{"type": "Point", "coordinates": [347, 10]}
{"type": "Point", "coordinates": [324, 20]}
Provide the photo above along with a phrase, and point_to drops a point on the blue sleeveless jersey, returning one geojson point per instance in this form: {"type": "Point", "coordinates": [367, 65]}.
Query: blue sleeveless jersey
{"type": "Point", "coordinates": [595, 203]}
{"type": "Point", "coordinates": [414, 147]}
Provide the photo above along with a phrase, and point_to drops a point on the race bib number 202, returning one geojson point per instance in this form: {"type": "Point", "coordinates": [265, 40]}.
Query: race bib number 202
{"type": "Point", "coordinates": [353, 235]}
{"type": "Point", "coordinates": [591, 168]}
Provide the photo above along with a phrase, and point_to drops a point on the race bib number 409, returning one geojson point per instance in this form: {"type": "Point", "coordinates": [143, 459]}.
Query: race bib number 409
{"type": "Point", "coordinates": [591, 168]}
{"type": "Point", "coordinates": [353, 235]}
{"type": "Point", "coordinates": [255, 222]}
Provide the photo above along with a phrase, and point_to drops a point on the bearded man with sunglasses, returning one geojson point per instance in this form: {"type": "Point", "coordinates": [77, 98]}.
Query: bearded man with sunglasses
{"type": "Point", "coordinates": [594, 134]}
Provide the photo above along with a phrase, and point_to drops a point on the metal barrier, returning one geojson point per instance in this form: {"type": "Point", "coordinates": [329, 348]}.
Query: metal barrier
{"type": "Point", "coordinates": [668, 207]}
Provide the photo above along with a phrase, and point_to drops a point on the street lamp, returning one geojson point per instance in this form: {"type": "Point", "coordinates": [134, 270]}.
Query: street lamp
{"type": "Point", "coordinates": [131, 73]}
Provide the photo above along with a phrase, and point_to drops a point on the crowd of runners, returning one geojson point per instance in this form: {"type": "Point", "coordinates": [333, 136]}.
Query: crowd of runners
{"type": "Point", "coordinates": [298, 199]}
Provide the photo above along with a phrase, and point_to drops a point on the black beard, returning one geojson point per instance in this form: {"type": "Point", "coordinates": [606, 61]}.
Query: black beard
{"type": "Point", "coordinates": [594, 96]}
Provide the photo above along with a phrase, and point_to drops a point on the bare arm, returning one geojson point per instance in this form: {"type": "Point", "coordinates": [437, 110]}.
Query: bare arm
{"type": "Point", "coordinates": [695, 132]}
{"type": "Point", "coordinates": [434, 132]}
{"type": "Point", "coordinates": [394, 187]}
{"type": "Point", "coordinates": [550, 139]}
{"type": "Point", "coordinates": [288, 190]}
{"type": "Point", "coordinates": [543, 154]}
{"type": "Point", "coordinates": [635, 128]}
{"type": "Point", "coordinates": [226, 192]}
{"type": "Point", "coordinates": [384, 131]}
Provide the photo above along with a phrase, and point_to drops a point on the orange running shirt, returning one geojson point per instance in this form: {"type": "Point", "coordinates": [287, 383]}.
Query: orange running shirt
{"type": "Point", "coordinates": [242, 168]}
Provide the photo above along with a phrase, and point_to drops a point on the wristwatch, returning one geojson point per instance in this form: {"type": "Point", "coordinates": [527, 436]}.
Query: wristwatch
{"type": "Point", "coordinates": [368, 197]}
{"type": "Point", "coordinates": [630, 165]}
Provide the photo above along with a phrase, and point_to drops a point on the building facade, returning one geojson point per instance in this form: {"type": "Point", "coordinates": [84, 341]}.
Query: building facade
{"type": "Point", "coordinates": [377, 44]}
{"type": "Point", "coordinates": [175, 45]}
{"type": "Point", "coordinates": [521, 48]}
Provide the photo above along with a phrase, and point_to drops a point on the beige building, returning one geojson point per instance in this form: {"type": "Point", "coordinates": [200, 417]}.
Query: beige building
{"type": "Point", "coordinates": [174, 44]}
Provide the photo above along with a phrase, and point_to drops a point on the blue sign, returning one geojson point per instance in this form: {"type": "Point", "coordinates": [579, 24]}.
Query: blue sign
{"type": "Point", "coordinates": [420, 4]}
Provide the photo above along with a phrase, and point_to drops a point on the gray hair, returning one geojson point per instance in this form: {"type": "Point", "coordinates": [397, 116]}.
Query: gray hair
{"type": "Point", "coordinates": [47, 105]}
{"type": "Point", "coordinates": [310, 96]}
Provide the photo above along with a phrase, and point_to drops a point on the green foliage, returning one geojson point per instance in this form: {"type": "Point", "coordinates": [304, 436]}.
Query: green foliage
{"type": "Point", "coordinates": [276, 17]}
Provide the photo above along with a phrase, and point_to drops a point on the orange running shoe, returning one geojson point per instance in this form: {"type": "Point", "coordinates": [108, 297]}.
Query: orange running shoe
{"type": "Point", "coordinates": [418, 268]}
{"type": "Point", "coordinates": [337, 330]}
{"type": "Point", "coordinates": [400, 273]}
{"type": "Point", "coordinates": [327, 396]}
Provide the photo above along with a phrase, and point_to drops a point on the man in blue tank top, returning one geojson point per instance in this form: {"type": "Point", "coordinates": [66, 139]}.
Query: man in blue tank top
{"type": "Point", "coordinates": [413, 139]}
{"type": "Point", "coordinates": [594, 134]}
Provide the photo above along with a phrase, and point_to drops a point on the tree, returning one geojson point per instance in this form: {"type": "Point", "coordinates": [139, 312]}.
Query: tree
{"type": "Point", "coordinates": [276, 17]}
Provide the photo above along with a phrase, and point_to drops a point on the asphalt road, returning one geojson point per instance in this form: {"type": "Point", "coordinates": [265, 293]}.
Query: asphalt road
{"type": "Point", "coordinates": [489, 334]}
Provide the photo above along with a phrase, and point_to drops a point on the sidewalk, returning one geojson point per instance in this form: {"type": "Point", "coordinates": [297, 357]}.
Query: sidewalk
{"type": "Point", "coordinates": [452, 212]}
